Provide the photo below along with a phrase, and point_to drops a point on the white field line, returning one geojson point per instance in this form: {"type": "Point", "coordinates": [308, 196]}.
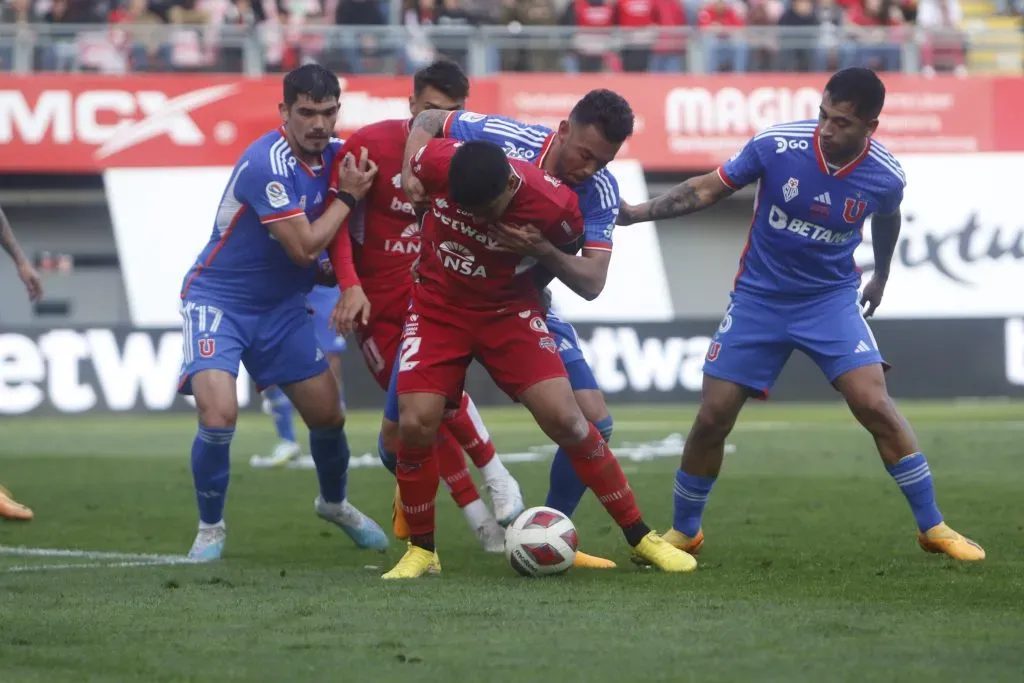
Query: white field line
{"type": "Point", "coordinates": [117, 560]}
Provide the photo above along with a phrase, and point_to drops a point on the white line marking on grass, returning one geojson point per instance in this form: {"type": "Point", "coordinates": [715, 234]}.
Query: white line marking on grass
{"type": "Point", "coordinates": [100, 565]}
{"type": "Point", "coordinates": [117, 560]}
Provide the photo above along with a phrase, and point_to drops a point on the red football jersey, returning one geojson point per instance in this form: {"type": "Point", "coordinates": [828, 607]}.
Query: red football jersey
{"type": "Point", "coordinates": [383, 227]}
{"type": "Point", "coordinates": [462, 265]}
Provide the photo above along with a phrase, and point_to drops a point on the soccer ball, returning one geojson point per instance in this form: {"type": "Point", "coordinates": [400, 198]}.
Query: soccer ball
{"type": "Point", "coordinates": [541, 541]}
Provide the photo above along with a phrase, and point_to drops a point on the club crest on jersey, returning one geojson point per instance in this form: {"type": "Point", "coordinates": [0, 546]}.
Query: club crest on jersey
{"type": "Point", "coordinates": [713, 350]}
{"type": "Point", "coordinates": [549, 344]}
{"type": "Point", "coordinates": [207, 347]}
{"type": "Point", "coordinates": [853, 209]}
{"type": "Point", "coordinates": [277, 196]}
{"type": "Point", "coordinates": [302, 202]}
{"type": "Point", "coordinates": [790, 189]}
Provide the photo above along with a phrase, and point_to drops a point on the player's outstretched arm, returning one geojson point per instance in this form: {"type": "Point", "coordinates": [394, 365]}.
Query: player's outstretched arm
{"type": "Point", "coordinates": [692, 195]}
{"type": "Point", "coordinates": [26, 272]}
{"type": "Point", "coordinates": [585, 274]}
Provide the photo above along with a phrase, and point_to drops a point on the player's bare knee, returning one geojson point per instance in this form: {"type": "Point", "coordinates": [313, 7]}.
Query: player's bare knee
{"type": "Point", "coordinates": [713, 423]}
{"type": "Point", "coordinates": [218, 416]}
{"type": "Point", "coordinates": [565, 426]}
{"type": "Point", "coordinates": [416, 427]}
{"type": "Point", "coordinates": [877, 412]}
{"type": "Point", "coordinates": [389, 435]}
{"type": "Point", "coordinates": [325, 419]}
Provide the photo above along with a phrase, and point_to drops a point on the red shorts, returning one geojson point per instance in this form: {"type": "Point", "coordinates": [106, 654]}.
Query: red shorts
{"type": "Point", "coordinates": [438, 345]}
{"type": "Point", "coordinates": [380, 338]}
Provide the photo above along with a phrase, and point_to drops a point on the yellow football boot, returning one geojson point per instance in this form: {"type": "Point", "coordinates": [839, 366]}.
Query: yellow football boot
{"type": "Point", "coordinates": [653, 549]}
{"type": "Point", "coordinates": [592, 562]}
{"type": "Point", "coordinates": [398, 524]}
{"type": "Point", "coordinates": [415, 563]}
{"type": "Point", "coordinates": [941, 539]}
{"type": "Point", "coordinates": [12, 509]}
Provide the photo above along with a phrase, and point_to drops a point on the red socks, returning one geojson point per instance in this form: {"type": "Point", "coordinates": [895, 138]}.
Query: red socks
{"type": "Point", "coordinates": [452, 465]}
{"type": "Point", "coordinates": [597, 467]}
{"type": "Point", "coordinates": [469, 430]}
{"type": "Point", "coordinates": [418, 478]}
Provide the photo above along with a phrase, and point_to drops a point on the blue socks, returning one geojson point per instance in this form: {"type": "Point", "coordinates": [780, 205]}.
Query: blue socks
{"type": "Point", "coordinates": [211, 469]}
{"type": "Point", "coordinates": [914, 478]}
{"type": "Point", "coordinates": [281, 410]}
{"type": "Point", "coordinates": [389, 459]}
{"type": "Point", "coordinates": [565, 490]}
{"type": "Point", "coordinates": [329, 448]}
{"type": "Point", "coordinates": [689, 498]}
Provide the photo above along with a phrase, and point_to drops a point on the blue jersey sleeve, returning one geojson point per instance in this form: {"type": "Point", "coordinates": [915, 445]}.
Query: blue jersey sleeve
{"type": "Point", "coordinates": [599, 204]}
{"type": "Point", "coordinates": [268, 186]}
{"type": "Point", "coordinates": [519, 140]}
{"type": "Point", "coordinates": [743, 168]}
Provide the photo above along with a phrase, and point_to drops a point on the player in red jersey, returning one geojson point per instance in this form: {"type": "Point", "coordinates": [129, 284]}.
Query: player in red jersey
{"type": "Point", "coordinates": [474, 299]}
{"type": "Point", "coordinates": [385, 240]}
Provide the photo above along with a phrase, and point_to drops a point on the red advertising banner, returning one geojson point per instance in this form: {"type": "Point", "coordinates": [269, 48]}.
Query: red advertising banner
{"type": "Point", "coordinates": [52, 123]}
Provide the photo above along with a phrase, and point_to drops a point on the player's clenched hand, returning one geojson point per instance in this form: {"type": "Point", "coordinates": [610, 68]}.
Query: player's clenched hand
{"type": "Point", "coordinates": [33, 283]}
{"type": "Point", "coordinates": [525, 240]}
{"type": "Point", "coordinates": [412, 187]}
{"type": "Point", "coordinates": [351, 311]}
{"type": "Point", "coordinates": [872, 296]}
{"type": "Point", "coordinates": [355, 177]}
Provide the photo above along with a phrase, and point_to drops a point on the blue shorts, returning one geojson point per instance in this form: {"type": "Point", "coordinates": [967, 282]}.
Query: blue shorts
{"type": "Point", "coordinates": [322, 300]}
{"type": "Point", "coordinates": [277, 347]}
{"type": "Point", "coordinates": [581, 377]}
{"type": "Point", "coordinates": [758, 334]}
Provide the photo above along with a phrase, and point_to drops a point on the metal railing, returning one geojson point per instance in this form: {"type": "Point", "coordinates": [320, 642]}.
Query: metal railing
{"type": "Point", "coordinates": [254, 50]}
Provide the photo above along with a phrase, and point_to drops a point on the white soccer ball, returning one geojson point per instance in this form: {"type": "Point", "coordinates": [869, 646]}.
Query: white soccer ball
{"type": "Point", "coordinates": [541, 541]}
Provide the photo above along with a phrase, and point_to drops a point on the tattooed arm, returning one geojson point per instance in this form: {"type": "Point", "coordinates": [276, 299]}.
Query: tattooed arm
{"type": "Point", "coordinates": [26, 272]}
{"type": "Point", "coordinates": [428, 125]}
{"type": "Point", "coordinates": [692, 195]}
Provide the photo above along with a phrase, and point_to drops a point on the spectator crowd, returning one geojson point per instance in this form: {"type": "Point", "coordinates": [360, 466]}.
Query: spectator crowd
{"type": "Point", "coordinates": [662, 35]}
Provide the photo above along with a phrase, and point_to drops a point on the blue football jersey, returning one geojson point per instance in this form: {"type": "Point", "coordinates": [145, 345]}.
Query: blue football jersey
{"type": "Point", "coordinates": [598, 195]}
{"type": "Point", "coordinates": [243, 263]}
{"type": "Point", "coordinates": [808, 217]}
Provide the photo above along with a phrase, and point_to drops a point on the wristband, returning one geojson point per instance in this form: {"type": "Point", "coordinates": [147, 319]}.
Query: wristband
{"type": "Point", "coordinates": [346, 198]}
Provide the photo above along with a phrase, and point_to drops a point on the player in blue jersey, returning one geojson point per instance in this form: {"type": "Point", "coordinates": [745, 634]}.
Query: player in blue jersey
{"type": "Point", "coordinates": [576, 153]}
{"type": "Point", "coordinates": [797, 289]}
{"type": "Point", "coordinates": [244, 301]}
{"type": "Point", "coordinates": [320, 302]}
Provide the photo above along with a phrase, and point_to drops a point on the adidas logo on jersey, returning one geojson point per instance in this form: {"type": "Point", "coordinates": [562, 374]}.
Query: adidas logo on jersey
{"type": "Point", "coordinates": [862, 347]}
{"type": "Point", "coordinates": [319, 354]}
{"type": "Point", "coordinates": [319, 198]}
{"type": "Point", "coordinates": [397, 181]}
{"type": "Point", "coordinates": [824, 198]}
{"type": "Point", "coordinates": [564, 346]}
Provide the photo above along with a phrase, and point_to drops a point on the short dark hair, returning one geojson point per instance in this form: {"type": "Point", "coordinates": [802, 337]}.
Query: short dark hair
{"type": "Point", "coordinates": [443, 75]}
{"type": "Point", "coordinates": [478, 173]}
{"type": "Point", "coordinates": [860, 86]}
{"type": "Point", "coordinates": [608, 111]}
{"type": "Point", "coordinates": [313, 81]}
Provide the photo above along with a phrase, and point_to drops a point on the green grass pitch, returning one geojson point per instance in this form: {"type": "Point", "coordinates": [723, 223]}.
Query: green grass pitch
{"type": "Point", "coordinates": [810, 571]}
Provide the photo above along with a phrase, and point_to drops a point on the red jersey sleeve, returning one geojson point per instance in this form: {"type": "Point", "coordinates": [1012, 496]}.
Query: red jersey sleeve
{"type": "Point", "coordinates": [568, 227]}
{"type": "Point", "coordinates": [430, 165]}
{"type": "Point", "coordinates": [340, 249]}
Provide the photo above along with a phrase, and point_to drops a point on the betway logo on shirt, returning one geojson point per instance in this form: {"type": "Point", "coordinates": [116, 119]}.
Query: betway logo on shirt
{"type": "Point", "coordinates": [464, 228]}
{"type": "Point", "coordinates": [780, 220]}
{"type": "Point", "coordinates": [71, 371]}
